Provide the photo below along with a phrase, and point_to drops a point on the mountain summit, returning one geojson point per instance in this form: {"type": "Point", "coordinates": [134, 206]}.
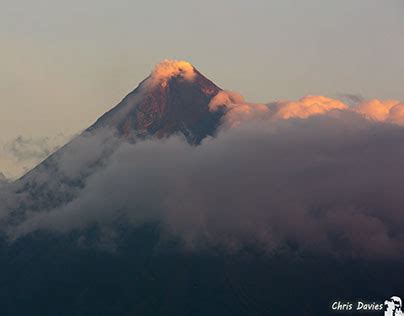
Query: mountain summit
{"type": "Point", "coordinates": [173, 99]}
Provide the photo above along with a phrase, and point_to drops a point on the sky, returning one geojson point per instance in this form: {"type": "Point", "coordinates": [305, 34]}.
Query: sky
{"type": "Point", "coordinates": [64, 63]}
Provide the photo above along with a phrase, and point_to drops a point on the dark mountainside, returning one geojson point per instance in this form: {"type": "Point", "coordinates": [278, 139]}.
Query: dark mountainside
{"type": "Point", "coordinates": [54, 274]}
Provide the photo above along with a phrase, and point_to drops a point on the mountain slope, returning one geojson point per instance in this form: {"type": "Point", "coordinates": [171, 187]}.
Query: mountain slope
{"type": "Point", "coordinates": [173, 100]}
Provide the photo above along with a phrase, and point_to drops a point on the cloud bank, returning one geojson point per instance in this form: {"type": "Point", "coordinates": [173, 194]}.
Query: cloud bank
{"type": "Point", "coordinates": [391, 111]}
{"type": "Point", "coordinates": [383, 110]}
{"type": "Point", "coordinates": [329, 182]}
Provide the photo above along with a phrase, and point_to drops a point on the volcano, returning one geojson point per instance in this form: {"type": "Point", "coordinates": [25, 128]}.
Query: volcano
{"type": "Point", "coordinates": [174, 99]}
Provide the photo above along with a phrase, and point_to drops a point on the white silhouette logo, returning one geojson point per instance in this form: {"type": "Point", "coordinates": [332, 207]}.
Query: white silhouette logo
{"type": "Point", "coordinates": [392, 307]}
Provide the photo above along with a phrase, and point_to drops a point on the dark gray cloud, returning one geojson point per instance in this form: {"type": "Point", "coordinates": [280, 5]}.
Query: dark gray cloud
{"type": "Point", "coordinates": [331, 183]}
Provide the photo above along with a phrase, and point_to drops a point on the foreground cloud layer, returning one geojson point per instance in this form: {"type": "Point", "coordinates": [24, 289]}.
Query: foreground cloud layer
{"type": "Point", "coordinates": [329, 183]}
{"type": "Point", "coordinates": [314, 174]}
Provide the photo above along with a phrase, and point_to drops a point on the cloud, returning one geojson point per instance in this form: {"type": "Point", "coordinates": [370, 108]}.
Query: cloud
{"type": "Point", "coordinates": [225, 98]}
{"type": "Point", "coordinates": [238, 110]}
{"type": "Point", "coordinates": [22, 148]}
{"type": "Point", "coordinates": [306, 107]}
{"type": "Point", "coordinates": [20, 154]}
{"type": "Point", "coordinates": [168, 69]}
{"type": "Point", "coordinates": [327, 183]}
{"type": "Point", "coordinates": [383, 110]}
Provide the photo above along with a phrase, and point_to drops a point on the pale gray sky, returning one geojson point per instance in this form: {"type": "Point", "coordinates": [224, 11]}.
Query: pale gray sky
{"type": "Point", "coordinates": [64, 63]}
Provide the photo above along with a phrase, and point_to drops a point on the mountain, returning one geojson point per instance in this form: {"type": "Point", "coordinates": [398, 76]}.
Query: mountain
{"type": "Point", "coordinates": [173, 99]}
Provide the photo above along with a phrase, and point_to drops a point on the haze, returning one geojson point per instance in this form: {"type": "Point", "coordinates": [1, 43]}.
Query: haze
{"type": "Point", "coordinates": [65, 63]}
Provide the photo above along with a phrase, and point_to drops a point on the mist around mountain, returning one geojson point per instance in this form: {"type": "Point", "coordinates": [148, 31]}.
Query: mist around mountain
{"type": "Point", "coordinates": [185, 199]}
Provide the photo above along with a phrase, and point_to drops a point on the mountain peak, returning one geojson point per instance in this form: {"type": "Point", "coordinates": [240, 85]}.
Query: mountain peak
{"type": "Point", "coordinates": [174, 99]}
